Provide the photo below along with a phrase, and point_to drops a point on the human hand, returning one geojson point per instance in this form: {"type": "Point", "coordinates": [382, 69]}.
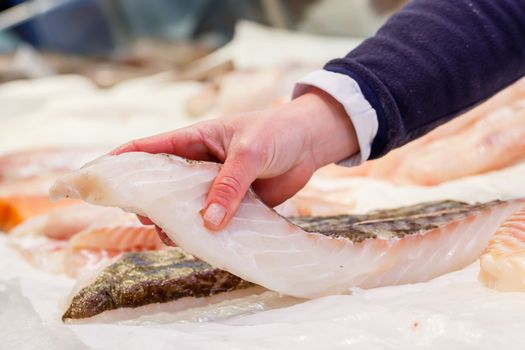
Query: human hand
{"type": "Point", "coordinates": [277, 150]}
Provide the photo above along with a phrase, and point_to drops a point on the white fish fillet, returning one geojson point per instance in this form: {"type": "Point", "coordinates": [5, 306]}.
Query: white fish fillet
{"type": "Point", "coordinates": [261, 246]}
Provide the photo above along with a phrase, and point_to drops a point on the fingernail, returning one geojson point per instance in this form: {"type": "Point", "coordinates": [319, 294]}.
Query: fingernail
{"type": "Point", "coordinates": [214, 214]}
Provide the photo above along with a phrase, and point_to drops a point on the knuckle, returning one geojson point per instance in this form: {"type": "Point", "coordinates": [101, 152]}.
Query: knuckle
{"type": "Point", "coordinates": [206, 132]}
{"type": "Point", "coordinates": [134, 145]}
{"type": "Point", "coordinates": [228, 187]}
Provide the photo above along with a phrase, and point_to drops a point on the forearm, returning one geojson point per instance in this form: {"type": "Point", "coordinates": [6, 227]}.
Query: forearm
{"type": "Point", "coordinates": [434, 60]}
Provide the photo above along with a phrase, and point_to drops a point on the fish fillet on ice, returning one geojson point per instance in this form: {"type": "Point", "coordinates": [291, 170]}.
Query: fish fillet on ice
{"type": "Point", "coordinates": [265, 248]}
{"type": "Point", "coordinates": [503, 263]}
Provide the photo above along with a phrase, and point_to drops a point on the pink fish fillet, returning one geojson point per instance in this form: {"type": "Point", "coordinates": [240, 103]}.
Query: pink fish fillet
{"type": "Point", "coordinates": [78, 238]}
{"type": "Point", "coordinates": [51, 161]}
{"type": "Point", "coordinates": [503, 263]}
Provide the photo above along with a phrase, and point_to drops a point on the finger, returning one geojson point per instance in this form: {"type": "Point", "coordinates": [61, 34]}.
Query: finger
{"type": "Point", "coordinates": [229, 188]}
{"type": "Point", "coordinates": [278, 189]}
{"type": "Point", "coordinates": [186, 143]}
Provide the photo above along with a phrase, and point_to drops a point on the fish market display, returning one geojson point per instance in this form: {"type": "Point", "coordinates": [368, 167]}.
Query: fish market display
{"type": "Point", "coordinates": [30, 173]}
{"type": "Point", "coordinates": [76, 239]}
{"type": "Point", "coordinates": [138, 279]}
{"type": "Point", "coordinates": [29, 187]}
{"type": "Point", "coordinates": [259, 245]}
{"type": "Point", "coordinates": [503, 263]}
{"type": "Point", "coordinates": [91, 248]}
{"type": "Point", "coordinates": [37, 163]}
{"type": "Point", "coordinates": [14, 210]}
{"type": "Point", "coordinates": [64, 223]}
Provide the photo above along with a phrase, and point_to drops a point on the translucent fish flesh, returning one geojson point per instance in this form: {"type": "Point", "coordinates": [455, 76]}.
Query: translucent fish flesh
{"type": "Point", "coordinates": [265, 248]}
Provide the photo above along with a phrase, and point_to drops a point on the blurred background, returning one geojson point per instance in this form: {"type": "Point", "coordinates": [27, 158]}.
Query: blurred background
{"type": "Point", "coordinates": [98, 73]}
{"type": "Point", "coordinates": [130, 38]}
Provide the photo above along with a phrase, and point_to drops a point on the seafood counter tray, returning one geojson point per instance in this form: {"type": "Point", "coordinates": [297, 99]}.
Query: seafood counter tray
{"type": "Point", "coordinates": [453, 311]}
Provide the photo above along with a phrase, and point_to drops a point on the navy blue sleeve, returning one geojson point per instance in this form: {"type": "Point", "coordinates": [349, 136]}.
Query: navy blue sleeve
{"type": "Point", "coordinates": [433, 60]}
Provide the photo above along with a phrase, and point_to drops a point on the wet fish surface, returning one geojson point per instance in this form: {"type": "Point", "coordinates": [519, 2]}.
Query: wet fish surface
{"type": "Point", "coordinates": [259, 245]}
{"type": "Point", "coordinates": [143, 278]}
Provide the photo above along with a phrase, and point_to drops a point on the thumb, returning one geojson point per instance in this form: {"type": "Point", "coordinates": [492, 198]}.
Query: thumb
{"type": "Point", "coordinates": [229, 188]}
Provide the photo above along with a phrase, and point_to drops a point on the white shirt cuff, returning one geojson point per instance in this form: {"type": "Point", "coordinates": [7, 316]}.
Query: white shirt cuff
{"type": "Point", "coordinates": [347, 92]}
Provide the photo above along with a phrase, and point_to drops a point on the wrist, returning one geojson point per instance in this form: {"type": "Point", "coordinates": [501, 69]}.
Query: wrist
{"type": "Point", "coordinates": [329, 128]}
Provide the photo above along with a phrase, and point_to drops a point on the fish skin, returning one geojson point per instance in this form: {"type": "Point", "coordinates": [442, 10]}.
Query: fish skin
{"type": "Point", "coordinates": [138, 279]}
{"type": "Point", "coordinates": [260, 246]}
{"type": "Point", "coordinates": [386, 223]}
{"type": "Point", "coordinates": [502, 265]}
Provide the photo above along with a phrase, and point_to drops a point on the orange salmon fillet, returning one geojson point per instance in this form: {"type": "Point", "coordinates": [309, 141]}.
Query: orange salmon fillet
{"type": "Point", "coordinates": [14, 210]}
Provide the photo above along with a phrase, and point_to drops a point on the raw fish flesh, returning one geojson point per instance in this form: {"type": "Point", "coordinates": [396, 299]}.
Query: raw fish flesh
{"type": "Point", "coordinates": [15, 210]}
{"type": "Point", "coordinates": [31, 173]}
{"type": "Point", "coordinates": [87, 250]}
{"type": "Point", "coordinates": [93, 247]}
{"type": "Point", "coordinates": [29, 187]}
{"type": "Point", "coordinates": [76, 239]}
{"type": "Point", "coordinates": [138, 279]}
{"type": "Point", "coordinates": [503, 263]}
{"type": "Point", "coordinates": [63, 223]}
{"type": "Point", "coordinates": [265, 248]}
{"type": "Point", "coordinates": [38, 163]}
{"type": "Point", "coordinates": [119, 238]}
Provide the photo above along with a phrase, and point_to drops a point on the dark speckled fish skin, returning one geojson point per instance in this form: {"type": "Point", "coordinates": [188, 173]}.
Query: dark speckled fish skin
{"type": "Point", "coordinates": [391, 223]}
{"type": "Point", "coordinates": [138, 279]}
